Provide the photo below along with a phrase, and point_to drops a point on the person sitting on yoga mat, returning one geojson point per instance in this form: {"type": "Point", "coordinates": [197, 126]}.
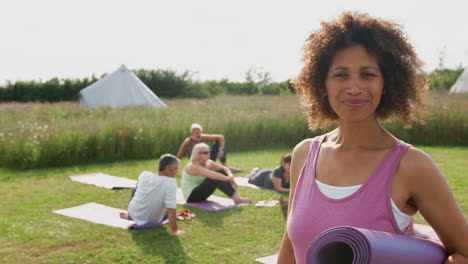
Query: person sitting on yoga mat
{"type": "Point", "coordinates": [197, 136]}
{"type": "Point", "coordinates": [273, 179]}
{"type": "Point", "coordinates": [154, 198]}
{"type": "Point", "coordinates": [201, 176]}
{"type": "Point", "coordinates": [359, 69]}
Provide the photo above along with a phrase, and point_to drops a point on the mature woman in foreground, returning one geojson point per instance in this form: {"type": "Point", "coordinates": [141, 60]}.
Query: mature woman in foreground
{"type": "Point", "coordinates": [358, 69]}
{"type": "Point", "coordinates": [201, 176]}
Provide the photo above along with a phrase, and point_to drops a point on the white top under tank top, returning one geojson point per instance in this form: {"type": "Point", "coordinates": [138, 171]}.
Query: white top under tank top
{"type": "Point", "coordinates": [334, 192]}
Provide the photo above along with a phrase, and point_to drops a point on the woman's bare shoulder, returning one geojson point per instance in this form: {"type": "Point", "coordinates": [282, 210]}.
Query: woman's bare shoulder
{"type": "Point", "coordinates": [193, 169]}
{"type": "Point", "coordinates": [300, 152]}
{"type": "Point", "coordinates": [417, 168]}
{"type": "Point", "coordinates": [416, 159]}
{"type": "Point", "coordinates": [303, 146]}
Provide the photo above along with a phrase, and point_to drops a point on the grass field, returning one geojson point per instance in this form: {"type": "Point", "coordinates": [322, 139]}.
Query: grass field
{"type": "Point", "coordinates": [32, 234]}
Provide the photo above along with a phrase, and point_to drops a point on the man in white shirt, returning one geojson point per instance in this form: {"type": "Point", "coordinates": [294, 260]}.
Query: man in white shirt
{"type": "Point", "coordinates": [154, 198]}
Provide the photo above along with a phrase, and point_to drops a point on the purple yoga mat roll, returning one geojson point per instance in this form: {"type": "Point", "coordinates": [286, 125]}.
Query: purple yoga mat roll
{"type": "Point", "coordinates": [362, 246]}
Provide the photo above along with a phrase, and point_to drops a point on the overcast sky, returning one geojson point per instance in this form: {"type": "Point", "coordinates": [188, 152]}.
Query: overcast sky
{"type": "Point", "coordinates": [41, 39]}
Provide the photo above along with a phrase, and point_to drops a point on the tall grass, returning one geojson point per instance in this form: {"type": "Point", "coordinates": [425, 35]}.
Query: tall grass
{"type": "Point", "coordinates": [36, 135]}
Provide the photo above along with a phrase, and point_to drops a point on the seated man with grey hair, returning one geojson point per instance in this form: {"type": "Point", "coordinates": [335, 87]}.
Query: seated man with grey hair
{"type": "Point", "coordinates": [197, 136]}
{"type": "Point", "coordinates": [154, 198]}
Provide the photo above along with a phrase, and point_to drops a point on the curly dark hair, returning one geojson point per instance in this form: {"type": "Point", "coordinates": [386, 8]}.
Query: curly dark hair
{"type": "Point", "coordinates": [403, 79]}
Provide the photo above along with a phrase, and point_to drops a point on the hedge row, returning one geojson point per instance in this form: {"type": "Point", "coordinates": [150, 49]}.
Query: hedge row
{"type": "Point", "coordinates": [170, 84]}
{"type": "Point", "coordinates": [164, 83]}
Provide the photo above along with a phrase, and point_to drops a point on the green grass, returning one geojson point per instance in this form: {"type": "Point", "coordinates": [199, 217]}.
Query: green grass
{"type": "Point", "coordinates": [32, 234]}
{"type": "Point", "coordinates": [35, 135]}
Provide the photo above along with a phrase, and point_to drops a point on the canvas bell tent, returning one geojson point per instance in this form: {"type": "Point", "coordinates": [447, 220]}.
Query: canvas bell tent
{"type": "Point", "coordinates": [119, 89]}
{"type": "Point", "coordinates": [461, 85]}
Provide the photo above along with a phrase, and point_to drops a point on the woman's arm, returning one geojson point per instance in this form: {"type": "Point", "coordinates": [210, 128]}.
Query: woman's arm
{"type": "Point", "coordinates": [299, 155]}
{"type": "Point", "coordinates": [277, 184]}
{"type": "Point", "coordinates": [435, 202]}
{"type": "Point", "coordinates": [195, 169]}
{"type": "Point", "coordinates": [216, 167]}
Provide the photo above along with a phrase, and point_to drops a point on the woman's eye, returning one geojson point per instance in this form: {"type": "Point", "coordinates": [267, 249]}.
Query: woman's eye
{"type": "Point", "coordinates": [340, 75]}
{"type": "Point", "coordinates": [369, 74]}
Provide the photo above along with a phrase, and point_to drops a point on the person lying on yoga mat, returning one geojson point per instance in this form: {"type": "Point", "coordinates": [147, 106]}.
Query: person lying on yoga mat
{"type": "Point", "coordinates": [196, 136]}
{"type": "Point", "coordinates": [154, 198]}
{"type": "Point", "coordinates": [201, 176]}
{"type": "Point", "coordinates": [359, 69]}
{"type": "Point", "coordinates": [273, 179]}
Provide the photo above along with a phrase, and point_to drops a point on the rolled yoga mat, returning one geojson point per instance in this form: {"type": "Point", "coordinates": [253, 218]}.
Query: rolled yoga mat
{"type": "Point", "coordinates": [362, 246]}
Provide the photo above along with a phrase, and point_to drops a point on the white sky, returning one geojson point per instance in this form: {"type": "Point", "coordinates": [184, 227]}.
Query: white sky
{"type": "Point", "coordinates": [41, 39]}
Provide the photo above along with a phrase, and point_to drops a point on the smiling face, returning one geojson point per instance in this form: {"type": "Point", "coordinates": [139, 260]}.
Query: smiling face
{"type": "Point", "coordinates": [354, 84]}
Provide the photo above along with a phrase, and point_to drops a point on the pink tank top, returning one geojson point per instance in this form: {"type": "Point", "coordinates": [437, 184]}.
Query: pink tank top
{"type": "Point", "coordinates": [369, 207]}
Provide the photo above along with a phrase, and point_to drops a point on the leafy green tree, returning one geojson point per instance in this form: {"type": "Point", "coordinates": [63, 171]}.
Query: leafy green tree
{"type": "Point", "coordinates": [443, 79]}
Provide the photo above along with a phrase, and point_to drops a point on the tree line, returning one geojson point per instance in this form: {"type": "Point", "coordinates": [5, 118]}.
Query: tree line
{"type": "Point", "coordinates": [172, 84]}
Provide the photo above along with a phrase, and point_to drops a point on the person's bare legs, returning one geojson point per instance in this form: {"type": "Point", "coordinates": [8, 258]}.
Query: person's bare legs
{"type": "Point", "coordinates": [240, 200]}
{"type": "Point", "coordinates": [233, 169]}
{"type": "Point", "coordinates": [284, 205]}
{"type": "Point", "coordinates": [125, 216]}
{"type": "Point", "coordinates": [252, 172]}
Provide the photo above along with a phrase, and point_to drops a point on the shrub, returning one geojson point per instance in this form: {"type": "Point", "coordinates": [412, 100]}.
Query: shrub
{"type": "Point", "coordinates": [443, 79]}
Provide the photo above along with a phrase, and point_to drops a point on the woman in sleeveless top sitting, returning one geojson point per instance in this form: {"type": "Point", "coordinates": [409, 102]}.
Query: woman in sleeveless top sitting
{"type": "Point", "coordinates": [358, 69]}
{"type": "Point", "coordinates": [202, 176]}
{"type": "Point", "coordinates": [273, 179]}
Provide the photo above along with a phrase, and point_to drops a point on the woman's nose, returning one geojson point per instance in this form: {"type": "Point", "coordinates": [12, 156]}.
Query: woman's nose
{"type": "Point", "coordinates": [354, 86]}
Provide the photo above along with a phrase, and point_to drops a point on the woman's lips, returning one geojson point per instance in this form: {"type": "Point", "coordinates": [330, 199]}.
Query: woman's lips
{"type": "Point", "coordinates": [355, 103]}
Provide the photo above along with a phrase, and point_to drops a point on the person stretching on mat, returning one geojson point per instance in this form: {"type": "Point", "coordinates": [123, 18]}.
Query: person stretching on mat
{"type": "Point", "coordinates": [273, 179]}
{"type": "Point", "coordinates": [201, 176]}
{"type": "Point", "coordinates": [197, 136]}
{"type": "Point", "coordinates": [154, 198]}
{"type": "Point", "coordinates": [359, 69]}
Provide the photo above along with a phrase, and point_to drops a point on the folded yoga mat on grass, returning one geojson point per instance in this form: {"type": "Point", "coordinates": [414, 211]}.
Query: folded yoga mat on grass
{"type": "Point", "coordinates": [103, 180]}
{"type": "Point", "coordinates": [363, 246]}
{"type": "Point", "coordinates": [101, 214]}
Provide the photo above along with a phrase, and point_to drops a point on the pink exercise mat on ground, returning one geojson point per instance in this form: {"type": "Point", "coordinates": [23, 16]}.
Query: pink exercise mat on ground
{"type": "Point", "coordinates": [101, 214]}
{"type": "Point", "coordinates": [107, 181]}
